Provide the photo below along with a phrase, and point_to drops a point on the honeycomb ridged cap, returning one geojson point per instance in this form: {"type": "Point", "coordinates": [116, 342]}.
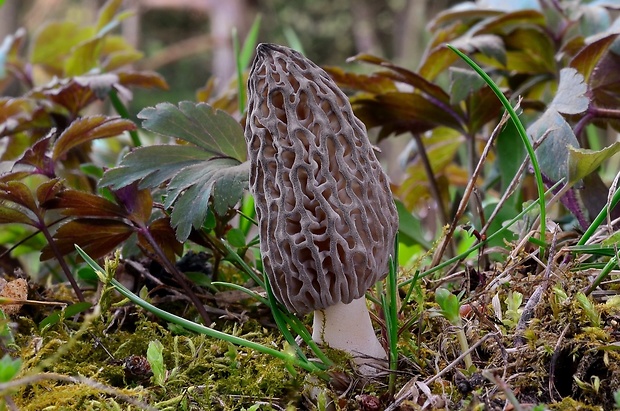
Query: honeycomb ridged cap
{"type": "Point", "coordinates": [325, 211]}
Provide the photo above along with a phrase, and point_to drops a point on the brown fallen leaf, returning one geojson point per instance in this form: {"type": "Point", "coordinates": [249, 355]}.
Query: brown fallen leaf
{"type": "Point", "coordinates": [16, 290]}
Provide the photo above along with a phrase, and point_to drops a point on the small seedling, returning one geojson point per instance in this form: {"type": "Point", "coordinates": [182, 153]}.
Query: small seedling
{"type": "Point", "coordinates": [155, 357]}
{"type": "Point", "coordinates": [589, 309]}
{"type": "Point", "coordinates": [9, 368]}
{"type": "Point", "coordinates": [450, 306]}
{"type": "Point", "coordinates": [513, 308]}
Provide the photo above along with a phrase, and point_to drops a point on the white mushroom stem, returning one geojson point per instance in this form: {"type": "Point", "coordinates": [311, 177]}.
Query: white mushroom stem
{"type": "Point", "coordinates": [348, 327]}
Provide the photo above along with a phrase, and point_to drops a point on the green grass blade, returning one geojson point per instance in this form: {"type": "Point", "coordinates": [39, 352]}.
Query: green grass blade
{"type": "Point", "coordinates": [481, 244]}
{"type": "Point", "coordinates": [522, 133]}
{"type": "Point", "coordinates": [122, 111]}
{"type": "Point", "coordinates": [599, 219]}
{"type": "Point", "coordinates": [249, 45]}
{"type": "Point", "coordinates": [199, 328]}
{"type": "Point", "coordinates": [243, 56]}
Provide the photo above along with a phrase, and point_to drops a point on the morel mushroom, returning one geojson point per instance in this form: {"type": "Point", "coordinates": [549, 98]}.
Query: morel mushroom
{"type": "Point", "coordinates": [326, 215]}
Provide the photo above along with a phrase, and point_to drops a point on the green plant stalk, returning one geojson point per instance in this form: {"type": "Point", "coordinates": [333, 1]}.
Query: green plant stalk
{"type": "Point", "coordinates": [240, 85]}
{"type": "Point", "coordinates": [124, 113]}
{"type": "Point", "coordinates": [242, 264]}
{"type": "Point", "coordinates": [60, 258]}
{"type": "Point", "coordinates": [464, 255]}
{"type": "Point", "coordinates": [462, 339]}
{"type": "Point", "coordinates": [284, 320]}
{"type": "Point", "coordinates": [599, 219]}
{"type": "Point", "coordinates": [611, 264]}
{"type": "Point", "coordinates": [522, 133]}
{"type": "Point", "coordinates": [390, 310]}
{"type": "Point", "coordinates": [198, 328]}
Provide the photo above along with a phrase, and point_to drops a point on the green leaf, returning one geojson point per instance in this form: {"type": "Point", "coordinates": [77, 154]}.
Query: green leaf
{"type": "Point", "coordinates": [553, 153]}
{"type": "Point", "coordinates": [410, 229]}
{"type": "Point", "coordinates": [54, 42]}
{"type": "Point", "coordinates": [152, 165]}
{"type": "Point", "coordinates": [582, 162]}
{"type": "Point", "coordinates": [223, 179]}
{"type": "Point", "coordinates": [213, 130]}
{"type": "Point", "coordinates": [89, 128]}
{"type": "Point", "coordinates": [195, 174]}
{"type": "Point", "coordinates": [449, 304]}
{"type": "Point", "coordinates": [571, 95]}
{"type": "Point", "coordinates": [588, 57]}
{"type": "Point", "coordinates": [9, 368]}
{"type": "Point", "coordinates": [107, 13]}
{"type": "Point", "coordinates": [463, 83]}
{"type": "Point", "coordinates": [235, 238]}
{"type": "Point", "coordinates": [84, 57]}
{"type": "Point", "coordinates": [155, 357]}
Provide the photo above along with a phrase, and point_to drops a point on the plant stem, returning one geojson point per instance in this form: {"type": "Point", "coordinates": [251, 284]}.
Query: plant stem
{"type": "Point", "coordinates": [60, 258]}
{"type": "Point", "coordinates": [431, 178]}
{"type": "Point", "coordinates": [124, 113]}
{"type": "Point", "coordinates": [178, 276]}
{"type": "Point", "coordinates": [462, 338]}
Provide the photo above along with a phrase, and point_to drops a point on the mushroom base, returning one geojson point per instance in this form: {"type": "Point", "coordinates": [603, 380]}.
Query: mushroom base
{"type": "Point", "coordinates": [347, 327]}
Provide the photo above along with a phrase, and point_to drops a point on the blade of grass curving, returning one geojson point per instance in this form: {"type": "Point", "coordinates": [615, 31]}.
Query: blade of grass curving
{"type": "Point", "coordinates": [284, 320]}
{"type": "Point", "coordinates": [243, 289]}
{"type": "Point", "coordinates": [199, 328]}
{"type": "Point", "coordinates": [293, 39]}
{"type": "Point", "coordinates": [599, 219]}
{"type": "Point", "coordinates": [243, 265]}
{"type": "Point", "coordinates": [522, 133]}
{"type": "Point", "coordinates": [466, 253]}
{"type": "Point", "coordinates": [240, 83]}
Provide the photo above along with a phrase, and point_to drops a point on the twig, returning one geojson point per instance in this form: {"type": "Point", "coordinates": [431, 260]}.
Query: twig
{"type": "Point", "coordinates": [440, 374]}
{"type": "Point", "coordinates": [468, 190]}
{"type": "Point", "coordinates": [501, 384]}
{"type": "Point", "coordinates": [432, 182]}
{"type": "Point", "coordinates": [532, 303]}
{"type": "Point", "coordinates": [554, 360]}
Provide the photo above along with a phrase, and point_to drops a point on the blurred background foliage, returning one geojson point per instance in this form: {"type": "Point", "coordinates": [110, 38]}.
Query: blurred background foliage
{"type": "Point", "coordinates": [189, 41]}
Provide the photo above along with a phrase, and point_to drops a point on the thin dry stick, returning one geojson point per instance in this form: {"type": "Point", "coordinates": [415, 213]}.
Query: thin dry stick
{"type": "Point", "coordinates": [554, 361]}
{"type": "Point", "coordinates": [501, 384]}
{"type": "Point", "coordinates": [440, 374]}
{"type": "Point", "coordinates": [532, 303]}
{"type": "Point", "coordinates": [426, 162]}
{"type": "Point", "coordinates": [468, 190]}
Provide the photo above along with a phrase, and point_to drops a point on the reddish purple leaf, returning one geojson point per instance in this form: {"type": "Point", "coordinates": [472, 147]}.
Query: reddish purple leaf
{"type": "Point", "coordinates": [89, 128]}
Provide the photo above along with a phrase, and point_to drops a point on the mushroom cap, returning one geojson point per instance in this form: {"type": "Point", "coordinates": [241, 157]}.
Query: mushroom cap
{"type": "Point", "coordinates": [326, 215]}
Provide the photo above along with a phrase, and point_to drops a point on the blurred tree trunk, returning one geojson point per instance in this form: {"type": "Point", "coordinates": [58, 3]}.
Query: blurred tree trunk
{"type": "Point", "coordinates": [224, 15]}
{"type": "Point", "coordinates": [8, 18]}
{"type": "Point", "coordinates": [364, 31]}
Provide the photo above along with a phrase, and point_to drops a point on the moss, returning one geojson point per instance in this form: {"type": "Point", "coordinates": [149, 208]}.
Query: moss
{"type": "Point", "coordinates": [209, 373]}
